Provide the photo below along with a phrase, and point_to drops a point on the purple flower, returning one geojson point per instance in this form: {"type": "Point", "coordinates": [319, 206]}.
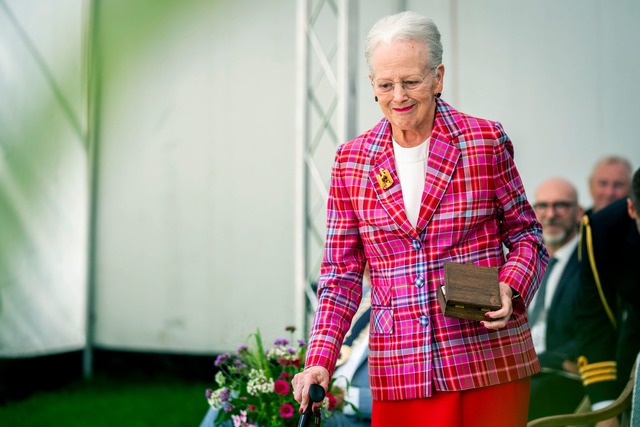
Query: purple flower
{"type": "Point", "coordinates": [286, 410]}
{"type": "Point", "coordinates": [235, 371]}
{"type": "Point", "coordinates": [221, 359]}
{"type": "Point", "coordinates": [281, 341]}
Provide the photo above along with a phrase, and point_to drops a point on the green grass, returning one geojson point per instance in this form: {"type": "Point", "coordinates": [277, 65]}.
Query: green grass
{"type": "Point", "coordinates": [109, 401]}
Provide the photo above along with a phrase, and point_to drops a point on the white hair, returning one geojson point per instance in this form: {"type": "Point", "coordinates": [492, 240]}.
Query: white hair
{"type": "Point", "coordinates": [405, 26]}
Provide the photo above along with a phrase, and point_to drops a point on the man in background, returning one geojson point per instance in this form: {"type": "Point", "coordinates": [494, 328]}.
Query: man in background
{"type": "Point", "coordinates": [610, 180]}
{"type": "Point", "coordinates": [557, 388]}
{"type": "Point", "coordinates": [609, 301]}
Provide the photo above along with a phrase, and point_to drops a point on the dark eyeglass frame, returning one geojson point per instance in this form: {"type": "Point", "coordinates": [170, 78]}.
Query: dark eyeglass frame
{"type": "Point", "coordinates": [560, 206]}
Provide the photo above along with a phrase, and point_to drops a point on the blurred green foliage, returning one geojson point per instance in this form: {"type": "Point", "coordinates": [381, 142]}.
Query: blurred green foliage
{"type": "Point", "coordinates": [108, 401]}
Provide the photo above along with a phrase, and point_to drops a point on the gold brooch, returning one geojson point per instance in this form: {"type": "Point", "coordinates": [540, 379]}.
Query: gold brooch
{"type": "Point", "coordinates": [384, 179]}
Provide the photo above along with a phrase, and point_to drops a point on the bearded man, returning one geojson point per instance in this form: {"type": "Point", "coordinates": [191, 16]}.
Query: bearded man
{"type": "Point", "coordinates": [557, 388]}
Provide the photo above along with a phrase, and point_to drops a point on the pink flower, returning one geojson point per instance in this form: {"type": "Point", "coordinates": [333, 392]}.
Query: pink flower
{"type": "Point", "coordinates": [284, 361]}
{"type": "Point", "coordinates": [331, 400]}
{"type": "Point", "coordinates": [286, 410]}
{"type": "Point", "coordinates": [241, 420]}
{"type": "Point", "coordinates": [281, 387]}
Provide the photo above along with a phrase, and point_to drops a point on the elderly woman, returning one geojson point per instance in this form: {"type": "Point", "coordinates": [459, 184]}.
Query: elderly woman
{"type": "Point", "coordinates": [427, 185]}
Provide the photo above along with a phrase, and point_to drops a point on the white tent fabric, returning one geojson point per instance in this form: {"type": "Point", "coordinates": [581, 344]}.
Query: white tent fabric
{"type": "Point", "coordinates": [194, 244]}
{"type": "Point", "coordinates": [43, 179]}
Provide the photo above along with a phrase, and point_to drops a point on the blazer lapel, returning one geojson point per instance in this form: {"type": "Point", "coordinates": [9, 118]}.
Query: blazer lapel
{"type": "Point", "coordinates": [443, 157]}
{"type": "Point", "coordinates": [390, 197]}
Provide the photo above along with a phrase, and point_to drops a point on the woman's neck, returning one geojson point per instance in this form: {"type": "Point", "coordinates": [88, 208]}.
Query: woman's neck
{"type": "Point", "coordinates": [408, 138]}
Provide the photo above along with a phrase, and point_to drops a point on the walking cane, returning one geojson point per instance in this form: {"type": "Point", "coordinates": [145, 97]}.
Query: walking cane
{"type": "Point", "coordinates": [316, 394]}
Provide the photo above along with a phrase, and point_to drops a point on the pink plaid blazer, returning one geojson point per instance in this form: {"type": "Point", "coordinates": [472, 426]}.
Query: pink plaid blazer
{"type": "Point", "coordinates": [473, 204]}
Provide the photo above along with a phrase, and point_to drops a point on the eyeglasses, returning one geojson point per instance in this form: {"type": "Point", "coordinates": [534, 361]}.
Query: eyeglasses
{"type": "Point", "coordinates": [409, 84]}
{"type": "Point", "coordinates": [560, 207]}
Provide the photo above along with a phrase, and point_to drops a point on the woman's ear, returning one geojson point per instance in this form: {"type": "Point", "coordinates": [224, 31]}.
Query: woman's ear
{"type": "Point", "coordinates": [439, 78]}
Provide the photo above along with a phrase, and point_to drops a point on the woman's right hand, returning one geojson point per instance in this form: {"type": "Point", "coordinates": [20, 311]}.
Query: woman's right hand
{"type": "Point", "coordinates": [303, 380]}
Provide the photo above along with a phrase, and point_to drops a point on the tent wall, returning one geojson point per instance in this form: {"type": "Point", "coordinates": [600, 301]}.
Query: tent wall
{"type": "Point", "coordinates": [194, 245]}
{"type": "Point", "coordinates": [559, 75]}
{"type": "Point", "coordinates": [195, 206]}
{"type": "Point", "coordinates": [43, 177]}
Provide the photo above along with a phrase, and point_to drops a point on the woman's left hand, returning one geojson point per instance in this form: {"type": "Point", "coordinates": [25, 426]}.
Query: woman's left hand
{"type": "Point", "coordinates": [498, 319]}
{"type": "Point", "coordinates": [302, 381]}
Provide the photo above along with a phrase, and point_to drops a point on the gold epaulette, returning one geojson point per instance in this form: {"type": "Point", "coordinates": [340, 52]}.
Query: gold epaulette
{"type": "Point", "coordinates": [585, 233]}
{"type": "Point", "coordinates": [591, 373]}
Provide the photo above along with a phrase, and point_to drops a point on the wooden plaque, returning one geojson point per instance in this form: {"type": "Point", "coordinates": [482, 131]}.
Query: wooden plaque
{"type": "Point", "coordinates": [469, 291]}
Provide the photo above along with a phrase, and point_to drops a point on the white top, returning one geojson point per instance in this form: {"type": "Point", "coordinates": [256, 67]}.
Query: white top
{"type": "Point", "coordinates": [539, 329]}
{"type": "Point", "coordinates": [411, 164]}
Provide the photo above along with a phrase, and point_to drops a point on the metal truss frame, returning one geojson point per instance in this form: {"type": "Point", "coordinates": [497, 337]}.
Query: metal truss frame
{"type": "Point", "coordinates": [326, 116]}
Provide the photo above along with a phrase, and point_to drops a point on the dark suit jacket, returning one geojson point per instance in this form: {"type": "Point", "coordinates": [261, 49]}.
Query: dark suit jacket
{"type": "Point", "coordinates": [561, 341]}
{"type": "Point", "coordinates": [616, 250]}
{"type": "Point", "coordinates": [552, 392]}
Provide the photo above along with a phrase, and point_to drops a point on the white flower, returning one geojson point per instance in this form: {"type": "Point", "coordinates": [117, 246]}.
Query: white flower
{"type": "Point", "coordinates": [220, 378]}
{"type": "Point", "coordinates": [215, 398]}
{"type": "Point", "coordinates": [258, 383]}
{"type": "Point", "coordinates": [282, 352]}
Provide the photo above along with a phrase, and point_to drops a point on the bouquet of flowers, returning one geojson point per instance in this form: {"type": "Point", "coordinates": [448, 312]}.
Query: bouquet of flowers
{"type": "Point", "coordinates": [254, 385]}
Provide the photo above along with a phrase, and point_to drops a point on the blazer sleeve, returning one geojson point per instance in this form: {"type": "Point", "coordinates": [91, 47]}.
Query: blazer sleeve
{"type": "Point", "coordinates": [520, 230]}
{"type": "Point", "coordinates": [340, 285]}
{"type": "Point", "coordinates": [596, 334]}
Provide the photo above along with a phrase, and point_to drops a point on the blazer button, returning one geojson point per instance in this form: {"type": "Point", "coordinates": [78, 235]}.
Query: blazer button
{"type": "Point", "coordinates": [416, 245]}
{"type": "Point", "coordinates": [424, 320]}
{"type": "Point", "coordinates": [419, 281]}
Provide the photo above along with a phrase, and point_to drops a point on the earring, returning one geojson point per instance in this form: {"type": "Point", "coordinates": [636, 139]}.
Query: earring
{"type": "Point", "coordinates": [376, 98]}
{"type": "Point", "coordinates": [438, 94]}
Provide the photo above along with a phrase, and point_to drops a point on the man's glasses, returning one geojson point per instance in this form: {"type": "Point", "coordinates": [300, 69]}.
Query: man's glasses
{"type": "Point", "coordinates": [560, 207]}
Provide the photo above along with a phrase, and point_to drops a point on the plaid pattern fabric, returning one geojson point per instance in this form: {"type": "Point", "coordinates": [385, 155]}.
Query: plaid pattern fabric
{"type": "Point", "coordinates": [473, 203]}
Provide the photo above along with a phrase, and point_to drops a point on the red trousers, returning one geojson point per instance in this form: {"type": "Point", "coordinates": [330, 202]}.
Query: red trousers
{"type": "Point", "coordinates": [504, 405]}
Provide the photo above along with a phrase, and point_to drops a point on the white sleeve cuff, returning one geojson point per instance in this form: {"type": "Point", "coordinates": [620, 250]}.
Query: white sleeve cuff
{"type": "Point", "coordinates": [600, 405]}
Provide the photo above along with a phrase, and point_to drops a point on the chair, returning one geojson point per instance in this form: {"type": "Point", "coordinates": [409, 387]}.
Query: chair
{"type": "Point", "coordinates": [630, 394]}
{"type": "Point", "coordinates": [635, 403]}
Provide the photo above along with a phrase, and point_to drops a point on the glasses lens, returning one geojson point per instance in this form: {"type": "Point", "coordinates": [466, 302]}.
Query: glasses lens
{"type": "Point", "coordinates": [560, 207]}
{"type": "Point", "coordinates": [385, 86]}
{"type": "Point", "coordinates": [411, 83]}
